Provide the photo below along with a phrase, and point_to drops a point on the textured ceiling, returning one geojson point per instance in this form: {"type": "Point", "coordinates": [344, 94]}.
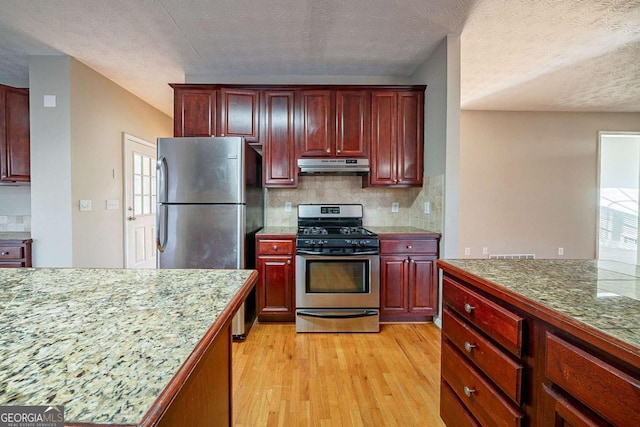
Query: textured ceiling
{"type": "Point", "coordinates": [574, 55]}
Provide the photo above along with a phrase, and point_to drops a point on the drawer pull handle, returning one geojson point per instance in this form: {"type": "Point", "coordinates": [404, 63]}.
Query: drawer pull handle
{"type": "Point", "coordinates": [469, 391]}
{"type": "Point", "coordinates": [468, 308]}
{"type": "Point", "coordinates": [469, 347]}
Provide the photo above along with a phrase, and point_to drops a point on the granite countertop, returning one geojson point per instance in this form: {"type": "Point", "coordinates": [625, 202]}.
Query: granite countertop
{"type": "Point", "coordinates": [604, 295]}
{"type": "Point", "coordinates": [399, 230]}
{"type": "Point", "coordinates": [15, 235]}
{"type": "Point", "coordinates": [103, 343]}
{"type": "Point", "coordinates": [278, 230]}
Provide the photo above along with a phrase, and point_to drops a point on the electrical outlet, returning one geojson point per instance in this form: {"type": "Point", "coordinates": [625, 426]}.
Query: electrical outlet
{"type": "Point", "coordinates": [395, 206]}
{"type": "Point", "coordinates": [485, 251]}
{"type": "Point", "coordinates": [85, 205]}
{"type": "Point", "coordinates": [467, 251]}
{"type": "Point", "coordinates": [287, 206]}
{"type": "Point", "coordinates": [427, 208]}
{"type": "Point", "coordinates": [560, 251]}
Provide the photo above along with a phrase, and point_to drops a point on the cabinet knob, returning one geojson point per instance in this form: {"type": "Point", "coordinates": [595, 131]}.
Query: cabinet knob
{"type": "Point", "coordinates": [411, 260]}
{"type": "Point", "coordinates": [288, 261]}
{"type": "Point", "coordinates": [409, 247]}
{"type": "Point", "coordinates": [469, 347]}
{"type": "Point", "coordinates": [291, 179]}
{"type": "Point", "coordinates": [338, 151]}
{"type": "Point", "coordinates": [468, 308]}
{"type": "Point", "coordinates": [328, 150]}
{"type": "Point", "coordinates": [4, 253]}
{"type": "Point", "coordinates": [469, 391]}
{"type": "Point", "coordinates": [275, 248]}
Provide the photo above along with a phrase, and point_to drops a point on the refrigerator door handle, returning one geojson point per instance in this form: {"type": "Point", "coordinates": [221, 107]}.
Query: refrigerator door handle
{"type": "Point", "coordinates": [161, 168]}
{"type": "Point", "coordinates": [161, 216]}
{"type": "Point", "coordinates": [161, 227]}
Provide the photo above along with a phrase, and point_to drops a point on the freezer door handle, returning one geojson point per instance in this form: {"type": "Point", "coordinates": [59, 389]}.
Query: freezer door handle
{"type": "Point", "coordinates": [161, 216]}
{"type": "Point", "coordinates": [162, 171]}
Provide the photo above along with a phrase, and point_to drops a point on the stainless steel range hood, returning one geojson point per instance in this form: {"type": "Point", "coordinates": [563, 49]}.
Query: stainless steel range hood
{"type": "Point", "coordinates": [334, 166]}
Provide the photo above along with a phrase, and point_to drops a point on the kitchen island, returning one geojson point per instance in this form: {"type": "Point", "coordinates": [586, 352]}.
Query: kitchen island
{"type": "Point", "coordinates": [121, 347]}
{"type": "Point", "coordinates": [540, 342]}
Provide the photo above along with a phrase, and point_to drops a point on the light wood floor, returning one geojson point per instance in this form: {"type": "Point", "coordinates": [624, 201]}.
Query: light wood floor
{"type": "Point", "coordinates": [281, 378]}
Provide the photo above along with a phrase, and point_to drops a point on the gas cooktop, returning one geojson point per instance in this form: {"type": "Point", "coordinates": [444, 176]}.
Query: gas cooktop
{"type": "Point", "coordinates": [334, 229]}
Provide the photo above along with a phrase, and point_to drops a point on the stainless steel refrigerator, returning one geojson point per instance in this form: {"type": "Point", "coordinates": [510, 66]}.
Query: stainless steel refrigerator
{"type": "Point", "coordinates": [210, 206]}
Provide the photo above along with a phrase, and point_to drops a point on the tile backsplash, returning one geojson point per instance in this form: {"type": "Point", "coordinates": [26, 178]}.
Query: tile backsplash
{"type": "Point", "coordinates": [376, 201]}
{"type": "Point", "coordinates": [15, 223]}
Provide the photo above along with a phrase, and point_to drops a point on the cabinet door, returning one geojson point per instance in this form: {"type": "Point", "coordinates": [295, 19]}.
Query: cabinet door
{"type": "Point", "coordinates": [410, 138]}
{"type": "Point", "coordinates": [316, 123]}
{"type": "Point", "coordinates": [279, 139]}
{"type": "Point", "coordinates": [194, 112]}
{"type": "Point", "coordinates": [422, 289]}
{"type": "Point", "coordinates": [393, 285]}
{"type": "Point", "coordinates": [14, 142]}
{"type": "Point", "coordinates": [275, 291]}
{"type": "Point", "coordinates": [239, 113]}
{"type": "Point", "coordinates": [353, 116]}
{"type": "Point", "coordinates": [383, 157]}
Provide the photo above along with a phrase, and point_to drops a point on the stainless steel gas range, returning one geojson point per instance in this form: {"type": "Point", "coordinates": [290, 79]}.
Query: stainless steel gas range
{"type": "Point", "coordinates": [337, 271]}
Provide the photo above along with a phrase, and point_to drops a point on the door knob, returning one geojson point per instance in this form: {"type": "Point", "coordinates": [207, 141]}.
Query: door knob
{"type": "Point", "coordinates": [132, 218]}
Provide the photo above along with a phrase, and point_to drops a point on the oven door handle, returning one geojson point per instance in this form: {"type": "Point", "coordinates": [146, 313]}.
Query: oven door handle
{"type": "Point", "coordinates": [338, 315]}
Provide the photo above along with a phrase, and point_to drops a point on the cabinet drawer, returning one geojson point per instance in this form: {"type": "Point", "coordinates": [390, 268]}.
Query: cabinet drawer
{"type": "Point", "coordinates": [499, 323]}
{"type": "Point", "coordinates": [563, 412]}
{"type": "Point", "coordinates": [477, 394]}
{"type": "Point", "coordinates": [608, 391]}
{"type": "Point", "coordinates": [452, 411]}
{"type": "Point", "coordinates": [502, 370]}
{"type": "Point", "coordinates": [408, 246]}
{"type": "Point", "coordinates": [11, 252]}
{"type": "Point", "coordinates": [275, 247]}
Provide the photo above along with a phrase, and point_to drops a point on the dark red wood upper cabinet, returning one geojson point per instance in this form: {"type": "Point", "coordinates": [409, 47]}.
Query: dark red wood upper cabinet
{"type": "Point", "coordinates": [316, 124]}
{"type": "Point", "coordinates": [194, 112]}
{"type": "Point", "coordinates": [15, 164]}
{"type": "Point", "coordinates": [410, 137]}
{"type": "Point", "coordinates": [239, 113]}
{"type": "Point", "coordinates": [383, 160]}
{"type": "Point", "coordinates": [279, 158]}
{"type": "Point", "coordinates": [353, 115]}
{"type": "Point", "coordinates": [397, 136]}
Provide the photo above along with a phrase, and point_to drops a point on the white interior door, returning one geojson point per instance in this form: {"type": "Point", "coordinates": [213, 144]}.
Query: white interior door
{"type": "Point", "coordinates": [140, 202]}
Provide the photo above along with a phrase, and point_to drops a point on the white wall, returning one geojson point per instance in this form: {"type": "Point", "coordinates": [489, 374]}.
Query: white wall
{"type": "Point", "coordinates": [529, 181]}
{"type": "Point", "coordinates": [51, 202]}
{"type": "Point", "coordinates": [441, 74]}
{"type": "Point", "coordinates": [75, 148]}
{"type": "Point", "coordinates": [101, 112]}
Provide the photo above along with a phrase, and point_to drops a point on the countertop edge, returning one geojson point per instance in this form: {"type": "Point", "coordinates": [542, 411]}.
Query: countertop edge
{"type": "Point", "coordinates": [625, 351]}
{"type": "Point", "coordinates": [168, 394]}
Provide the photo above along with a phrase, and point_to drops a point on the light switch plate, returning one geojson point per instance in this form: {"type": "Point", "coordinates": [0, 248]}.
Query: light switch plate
{"type": "Point", "coordinates": [113, 204]}
{"type": "Point", "coordinates": [395, 206]}
{"type": "Point", "coordinates": [85, 205]}
{"type": "Point", "coordinates": [287, 206]}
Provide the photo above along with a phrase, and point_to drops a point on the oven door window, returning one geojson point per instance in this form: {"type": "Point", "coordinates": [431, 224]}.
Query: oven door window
{"type": "Point", "coordinates": [337, 276]}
